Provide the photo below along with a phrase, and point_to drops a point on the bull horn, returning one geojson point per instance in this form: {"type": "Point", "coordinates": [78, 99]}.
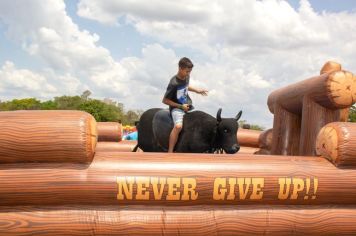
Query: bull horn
{"type": "Point", "coordinates": [238, 116]}
{"type": "Point", "coordinates": [218, 115]}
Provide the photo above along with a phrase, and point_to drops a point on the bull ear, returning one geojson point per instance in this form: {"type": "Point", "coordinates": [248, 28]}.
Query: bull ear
{"type": "Point", "coordinates": [218, 115]}
{"type": "Point", "coordinates": [238, 116]}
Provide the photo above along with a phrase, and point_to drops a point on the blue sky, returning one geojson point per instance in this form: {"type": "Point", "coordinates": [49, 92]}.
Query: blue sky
{"type": "Point", "coordinates": [328, 5]}
{"type": "Point", "coordinates": [128, 50]}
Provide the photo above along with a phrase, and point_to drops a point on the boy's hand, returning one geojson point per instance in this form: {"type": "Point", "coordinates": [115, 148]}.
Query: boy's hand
{"type": "Point", "coordinates": [203, 92]}
{"type": "Point", "coordinates": [185, 107]}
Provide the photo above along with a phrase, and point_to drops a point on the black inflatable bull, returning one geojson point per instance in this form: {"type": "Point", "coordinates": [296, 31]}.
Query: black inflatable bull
{"type": "Point", "coordinates": [201, 132]}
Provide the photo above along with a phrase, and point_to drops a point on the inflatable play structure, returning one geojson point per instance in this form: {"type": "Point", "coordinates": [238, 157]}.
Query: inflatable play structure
{"type": "Point", "coordinates": [109, 131]}
{"type": "Point", "coordinates": [300, 178]}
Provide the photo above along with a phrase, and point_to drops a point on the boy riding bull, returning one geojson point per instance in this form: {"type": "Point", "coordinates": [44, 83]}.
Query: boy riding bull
{"type": "Point", "coordinates": [177, 98]}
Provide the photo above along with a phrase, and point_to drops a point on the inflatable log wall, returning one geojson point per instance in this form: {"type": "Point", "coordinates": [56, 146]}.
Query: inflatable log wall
{"type": "Point", "coordinates": [47, 136]}
{"type": "Point", "coordinates": [109, 132]}
{"type": "Point", "coordinates": [254, 141]}
{"type": "Point", "coordinates": [248, 137]}
{"type": "Point", "coordinates": [159, 193]}
{"type": "Point", "coordinates": [302, 109]}
{"type": "Point", "coordinates": [265, 142]}
{"type": "Point", "coordinates": [122, 146]}
{"type": "Point", "coordinates": [179, 179]}
{"type": "Point", "coordinates": [196, 220]}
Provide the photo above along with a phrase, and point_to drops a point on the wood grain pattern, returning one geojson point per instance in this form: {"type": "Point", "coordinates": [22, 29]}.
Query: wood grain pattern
{"type": "Point", "coordinates": [333, 91]}
{"type": "Point", "coordinates": [248, 150]}
{"type": "Point", "coordinates": [302, 109]}
{"type": "Point", "coordinates": [286, 132]}
{"type": "Point", "coordinates": [314, 117]}
{"type": "Point", "coordinates": [265, 142]}
{"type": "Point", "coordinates": [122, 146]}
{"type": "Point", "coordinates": [47, 136]}
{"type": "Point", "coordinates": [198, 220]}
{"type": "Point", "coordinates": [96, 184]}
{"type": "Point", "coordinates": [109, 132]}
{"type": "Point", "coordinates": [248, 137]}
{"type": "Point", "coordinates": [337, 142]}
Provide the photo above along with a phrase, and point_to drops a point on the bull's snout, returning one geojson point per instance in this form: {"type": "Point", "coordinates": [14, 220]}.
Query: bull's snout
{"type": "Point", "coordinates": [234, 149]}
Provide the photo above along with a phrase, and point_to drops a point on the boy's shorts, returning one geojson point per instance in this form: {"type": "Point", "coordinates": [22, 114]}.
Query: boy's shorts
{"type": "Point", "coordinates": [177, 116]}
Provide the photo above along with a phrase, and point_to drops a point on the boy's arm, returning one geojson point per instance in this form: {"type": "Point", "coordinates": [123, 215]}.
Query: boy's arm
{"type": "Point", "coordinates": [169, 102]}
{"type": "Point", "coordinates": [203, 92]}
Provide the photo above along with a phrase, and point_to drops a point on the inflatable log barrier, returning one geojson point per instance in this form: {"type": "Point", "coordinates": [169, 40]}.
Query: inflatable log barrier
{"type": "Point", "coordinates": [337, 142]}
{"type": "Point", "coordinates": [179, 179]}
{"type": "Point", "coordinates": [265, 142]}
{"type": "Point", "coordinates": [47, 136]}
{"type": "Point", "coordinates": [248, 137]}
{"type": "Point", "coordinates": [302, 109]}
{"type": "Point", "coordinates": [196, 220]}
{"type": "Point", "coordinates": [122, 146]}
{"type": "Point", "coordinates": [109, 132]}
{"type": "Point", "coordinates": [247, 150]}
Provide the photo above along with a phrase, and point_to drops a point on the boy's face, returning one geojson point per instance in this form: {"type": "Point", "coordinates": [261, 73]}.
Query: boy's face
{"type": "Point", "coordinates": [184, 72]}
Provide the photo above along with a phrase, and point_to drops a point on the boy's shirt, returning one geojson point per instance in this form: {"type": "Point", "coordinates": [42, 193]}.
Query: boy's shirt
{"type": "Point", "coordinates": [177, 91]}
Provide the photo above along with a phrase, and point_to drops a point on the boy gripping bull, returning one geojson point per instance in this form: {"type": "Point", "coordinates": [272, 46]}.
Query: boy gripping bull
{"type": "Point", "coordinates": [178, 100]}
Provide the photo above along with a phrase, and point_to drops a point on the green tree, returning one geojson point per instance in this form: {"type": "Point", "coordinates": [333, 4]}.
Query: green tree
{"type": "Point", "coordinates": [21, 104]}
{"type": "Point", "coordinates": [49, 105]}
{"type": "Point", "coordinates": [68, 102]}
{"type": "Point", "coordinates": [253, 126]}
{"type": "Point", "coordinates": [85, 95]}
{"type": "Point", "coordinates": [106, 110]}
{"type": "Point", "coordinates": [100, 110]}
{"type": "Point", "coordinates": [131, 116]}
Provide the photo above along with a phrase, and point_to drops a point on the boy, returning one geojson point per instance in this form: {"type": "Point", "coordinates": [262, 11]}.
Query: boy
{"type": "Point", "coordinates": [178, 100]}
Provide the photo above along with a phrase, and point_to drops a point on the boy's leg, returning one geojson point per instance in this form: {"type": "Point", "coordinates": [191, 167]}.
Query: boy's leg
{"type": "Point", "coordinates": [177, 116]}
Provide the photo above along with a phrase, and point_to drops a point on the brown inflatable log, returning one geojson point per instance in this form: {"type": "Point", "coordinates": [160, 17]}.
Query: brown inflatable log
{"type": "Point", "coordinates": [337, 142]}
{"type": "Point", "coordinates": [248, 137]}
{"type": "Point", "coordinates": [331, 90]}
{"type": "Point", "coordinates": [47, 136]}
{"type": "Point", "coordinates": [286, 132]}
{"type": "Point", "coordinates": [109, 132]}
{"type": "Point", "coordinates": [329, 67]}
{"type": "Point", "coordinates": [265, 139]}
{"type": "Point", "coordinates": [265, 142]}
{"type": "Point", "coordinates": [198, 220]}
{"type": "Point", "coordinates": [314, 117]}
{"type": "Point", "coordinates": [302, 109]}
{"type": "Point", "coordinates": [248, 150]}
{"type": "Point", "coordinates": [122, 146]}
{"type": "Point", "coordinates": [179, 179]}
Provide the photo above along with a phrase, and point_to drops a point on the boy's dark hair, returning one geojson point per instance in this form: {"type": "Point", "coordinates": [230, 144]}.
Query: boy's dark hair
{"type": "Point", "coordinates": [185, 63]}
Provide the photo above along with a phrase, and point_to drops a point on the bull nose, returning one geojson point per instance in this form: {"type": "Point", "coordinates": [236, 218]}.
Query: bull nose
{"type": "Point", "coordinates": [234, 149]}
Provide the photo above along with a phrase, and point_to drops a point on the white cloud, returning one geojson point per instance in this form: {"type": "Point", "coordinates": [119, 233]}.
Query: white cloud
{"type": "Point", "coordinates": [108, 11]}
{"type": "Point", "coordinates": [19, 82]}
{"type": "Point", "coordinates": [251, 47]}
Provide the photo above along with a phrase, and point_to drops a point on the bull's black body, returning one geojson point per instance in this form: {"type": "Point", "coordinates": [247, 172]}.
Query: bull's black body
{"type": "Point", "coordinates": [201, 132]}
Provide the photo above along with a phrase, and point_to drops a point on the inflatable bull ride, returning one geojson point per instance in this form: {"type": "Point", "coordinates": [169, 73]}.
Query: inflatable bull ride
{"type": "Point", "coordinates": [57, 180]}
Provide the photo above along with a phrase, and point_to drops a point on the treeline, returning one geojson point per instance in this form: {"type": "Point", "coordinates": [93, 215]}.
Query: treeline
{"type": "Point", "coordinates": [352, 114]}
{"type": "Point", "coordinates": [102, 110]}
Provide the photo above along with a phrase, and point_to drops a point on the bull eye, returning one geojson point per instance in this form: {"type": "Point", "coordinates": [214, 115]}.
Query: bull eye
{"type": "Point", "coordinates": [226, 131]}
